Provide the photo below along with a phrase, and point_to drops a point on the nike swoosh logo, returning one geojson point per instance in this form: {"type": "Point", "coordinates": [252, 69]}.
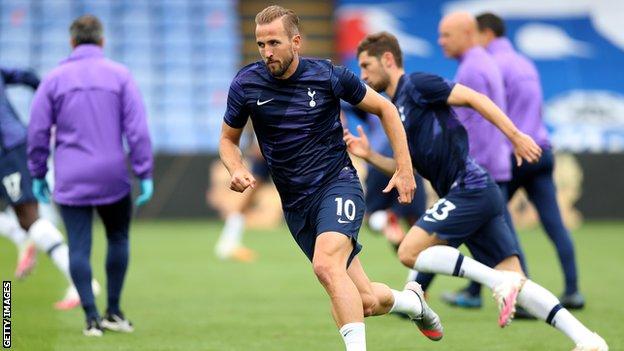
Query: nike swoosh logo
{"type": "Point", "coordinates": [429, 219]}
{"type": "Point", "coordinates": [260, 103]}
{"type": "Point", "coordinates": [343, 222]}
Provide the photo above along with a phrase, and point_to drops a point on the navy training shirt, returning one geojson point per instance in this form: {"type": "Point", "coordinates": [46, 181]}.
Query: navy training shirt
{"type": "Point", "coordinates": [437, 140]}
{"type": "Point", "coordinates": [297, 122]}
{"type": "Point", "coordinates": [12, 129]}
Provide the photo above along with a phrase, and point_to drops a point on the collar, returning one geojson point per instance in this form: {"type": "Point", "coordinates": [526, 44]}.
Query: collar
{"type": "Point", "coordinates": [294, 76]}
{"type": "Point", "coordinates": [470, 52]}
{"type": "Point", "coordinates": [85, 51]}
{"type": "Point", "coordinates": [501, 44]}
{"type": "Point", "coordinates": [400, 85]}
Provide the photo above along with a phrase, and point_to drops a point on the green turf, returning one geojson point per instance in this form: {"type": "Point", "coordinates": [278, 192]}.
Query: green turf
{"type": "Point", "coordinates": [181, 298]}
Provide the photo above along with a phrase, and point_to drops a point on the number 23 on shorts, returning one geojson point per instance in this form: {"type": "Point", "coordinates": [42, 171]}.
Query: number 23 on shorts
{"type": "Point", "coordinates": [439, 211]}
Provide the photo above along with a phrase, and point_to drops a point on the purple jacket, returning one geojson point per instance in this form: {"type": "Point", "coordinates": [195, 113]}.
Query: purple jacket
{"type": "Point", "coordinates": [94, 104]}
{"type": "Point", "coordinates": [478, 71]}
{"type": "Point", "coordinates": [523, 90]}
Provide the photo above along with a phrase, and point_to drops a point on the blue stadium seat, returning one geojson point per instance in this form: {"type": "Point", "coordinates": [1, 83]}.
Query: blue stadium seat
{"type": "Point", "coordinates": [168, 45]}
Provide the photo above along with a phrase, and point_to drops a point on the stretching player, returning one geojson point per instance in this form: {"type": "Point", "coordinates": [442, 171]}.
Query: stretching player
{"type": "Point", "coordinates": [16, 189]}
{"type": "Point", "coordinates": [470, 209]}
{"type": "Point", "coordinates": [294, 104]}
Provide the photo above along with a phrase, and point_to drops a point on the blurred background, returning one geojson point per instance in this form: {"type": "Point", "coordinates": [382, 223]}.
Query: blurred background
{"type": "Point", "coordinates": [184, 53]}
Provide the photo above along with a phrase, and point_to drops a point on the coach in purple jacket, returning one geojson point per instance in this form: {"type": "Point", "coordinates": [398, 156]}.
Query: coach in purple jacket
{"type": "Point", "coordinates": [488, 146]}
{"type": "Point", "coordinates": [93, 104]}
{"type": "Point", "coordinates": [524, 107]}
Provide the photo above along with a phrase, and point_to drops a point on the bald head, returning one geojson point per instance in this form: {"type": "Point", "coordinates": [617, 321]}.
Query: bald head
{"type": "Point", "coordinates": [457, 33]}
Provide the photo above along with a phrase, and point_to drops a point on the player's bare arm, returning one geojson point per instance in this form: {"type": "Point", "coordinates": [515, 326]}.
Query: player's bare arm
{"type": "Point", "coordinates": [403, 176]}
{"type": "Point", "coordinates": [360, 147]}
{"type": "Point", "coordinates": [524, 146]}
{"type": "Point", "coordinates": [232, 158]}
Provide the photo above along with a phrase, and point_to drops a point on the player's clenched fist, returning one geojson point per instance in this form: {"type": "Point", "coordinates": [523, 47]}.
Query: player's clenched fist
{"type": "Point", "coordinates": [241, 180]}
{"type": "Point", "coordinates": [526, 148]}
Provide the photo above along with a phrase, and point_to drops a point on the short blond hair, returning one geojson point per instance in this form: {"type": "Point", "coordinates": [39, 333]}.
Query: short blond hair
{"type": "Point", "coordinates": [273, 12]}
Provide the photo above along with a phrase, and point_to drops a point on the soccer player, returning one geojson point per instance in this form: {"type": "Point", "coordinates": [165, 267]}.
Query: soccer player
{"type": "Point", "coordinates": [294, 105]}
{"type": "Point", "coordinates": [487, 145]}
{"type": "Point", "coordinates": [229, 245]}
{"type": "Point", "coordinates": [16, 189]}
{"type": "Point", "coordinates": [524, 106]}
{"type": "Point", "coordinates": [470, 209]}
{"type": "Point", "coordinates": [93, 104]}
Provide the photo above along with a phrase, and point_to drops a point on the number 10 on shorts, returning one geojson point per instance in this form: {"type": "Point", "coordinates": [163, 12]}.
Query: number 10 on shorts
{"type": "Point", "coordinates": [439, 211]}
{"type": "Point", "coordinates": [346, 207]}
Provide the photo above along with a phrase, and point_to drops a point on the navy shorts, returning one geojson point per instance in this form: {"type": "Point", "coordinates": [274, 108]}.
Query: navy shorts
{"type": "Point", "coordinates": [16, 181]}
{"type": "Point", "coordinates": [260, 170]}
{"type": "Point", "coordinates": [473, 217]}
{"type": "Point", "coordinates": [337, 207]}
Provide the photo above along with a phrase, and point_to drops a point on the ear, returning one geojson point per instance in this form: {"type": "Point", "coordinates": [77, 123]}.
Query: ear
{"type": "Point", "coordinates": [387, 59]}
{"type": "Point", "coordinates": [296, 42]}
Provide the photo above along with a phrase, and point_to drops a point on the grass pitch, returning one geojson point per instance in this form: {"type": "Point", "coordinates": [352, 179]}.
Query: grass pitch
{"type": "Point", "coordinates": [181, 298]}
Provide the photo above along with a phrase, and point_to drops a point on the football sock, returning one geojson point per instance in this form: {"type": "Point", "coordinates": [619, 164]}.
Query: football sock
{"type": "Point", "coordinates": [411, 275]}
{"type": "Point", "coordinates": [354, 336]}
{"type": "Point", "coordinates": [378, 220]}
{"type": "Point", "coordinates": [544, 305]}
{"type": "Point", "coordinates": [49, 240]}
{"type": "Point", "coordinates": [10, 228]}
{"type": "Point", "coordinates": [406, 302]}
{"type": "Point", "coordinates": [449, 261]}
{"type": "Point", "coordinates": [231, 235]}
{"type": "Point", "coordinates": [424, 279]}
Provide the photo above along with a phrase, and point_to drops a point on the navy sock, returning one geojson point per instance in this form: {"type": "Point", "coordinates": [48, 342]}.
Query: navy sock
{"type": "Point", "coordinates": [424, 279]}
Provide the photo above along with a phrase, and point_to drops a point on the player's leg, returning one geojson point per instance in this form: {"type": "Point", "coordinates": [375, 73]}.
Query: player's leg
{"type": "Point", "coordinates": [379, 299]}
{"type": "Point", "coordinates": [505, 279]}
{"type": "Point", "coordinates": [457, 215]}
{"type": "Point", "coordinates": [406, 213]}
{"type": "Point", "coordinates": [230, 240]}
{"type": "Point", "coordinates": [78, 223]}
{"type": "Point", "coordinates": [470, 297]}
{"type": "Point", "coordinates": [377, 203]}
{"type": "Point", "coordinates": [10, 228]}
{"type": "Point", "coordinates": [331, 253]}
{"type": "Point", "coordinates": [17, 184]}
{"type": "Point", "coordinates": [27, 252]}
{"type": "Point", "coordinates": [542, 192]}
{"type": "Point", "coordinates": [45, 235]}
{"type": "Point", "coordinates": [116, 219]}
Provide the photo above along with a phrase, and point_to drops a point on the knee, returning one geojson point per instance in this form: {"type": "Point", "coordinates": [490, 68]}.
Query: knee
{"type": "Point", "coordinates": [511, 263]}
{"type": "Point", "coordinates": [370, 304]}
{"type": "Point", "coordinates": [324, 271]}
{"type": "Point", "coordinates": [26, 221]}
{"type": "Point", "coordinates": [406, 256]}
